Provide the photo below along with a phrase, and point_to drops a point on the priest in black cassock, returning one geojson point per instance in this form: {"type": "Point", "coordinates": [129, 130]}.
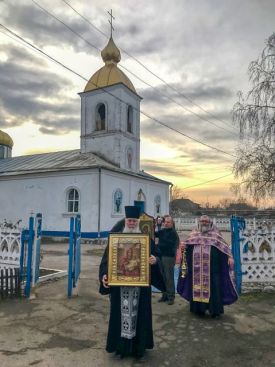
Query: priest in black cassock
{"type": "Point", "coordinates": [130, 330]}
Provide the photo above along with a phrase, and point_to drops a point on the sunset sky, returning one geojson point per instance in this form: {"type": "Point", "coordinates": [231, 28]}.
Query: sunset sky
{"type": "Point", "coordinates": [201, 48]}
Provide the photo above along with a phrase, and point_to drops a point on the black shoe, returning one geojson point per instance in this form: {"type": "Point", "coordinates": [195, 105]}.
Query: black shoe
{"type": "Point", "coordinates": [170, 302]}
{"type": "Point", "coordinates": [140, 358]}
{"type": "Point", "coordinates": [163, 299]}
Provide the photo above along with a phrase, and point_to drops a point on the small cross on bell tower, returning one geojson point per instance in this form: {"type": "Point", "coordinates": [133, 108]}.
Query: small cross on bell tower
{"type": "Point", "coordinates": [111, 22]}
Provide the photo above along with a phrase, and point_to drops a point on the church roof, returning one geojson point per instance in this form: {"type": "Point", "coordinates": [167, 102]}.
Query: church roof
{"type": "Point", "coordinates": [61, 161]}
{"type": "Point", "coordinates": [5, 139]}
{"type": "Point", "coordinates": [106, 76]}
{"type": "Point", "coordinates": [109, 74]}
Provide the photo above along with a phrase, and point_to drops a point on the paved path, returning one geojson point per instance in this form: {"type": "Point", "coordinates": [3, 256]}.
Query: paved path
{"type": "Point", "coordinates": [51, 330]}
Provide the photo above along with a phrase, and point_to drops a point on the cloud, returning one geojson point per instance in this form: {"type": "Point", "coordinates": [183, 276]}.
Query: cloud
{"type": "Point", "coordinates": [191, 126]}
{"type": "Point", "coordinates": [59, 126]}
{"type": "Point", "coordinates": [33, 93]}
{"type": "Point", "coordinates": [198, 91]}
{"type": "Point", "coordinates": [43, 29]}
{"type": "Point", "coordinates": [203, 156]}
{"type": "Point", "coordinates": [166, 168]}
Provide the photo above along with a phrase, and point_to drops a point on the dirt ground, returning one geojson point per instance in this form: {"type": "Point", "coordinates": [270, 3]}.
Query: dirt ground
{"type": "Point", "coordinates": [51, 330]}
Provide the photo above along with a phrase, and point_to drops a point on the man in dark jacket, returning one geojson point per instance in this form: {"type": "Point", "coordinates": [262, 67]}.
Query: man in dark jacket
{"type": "Point", "coordinates": [168, 243]}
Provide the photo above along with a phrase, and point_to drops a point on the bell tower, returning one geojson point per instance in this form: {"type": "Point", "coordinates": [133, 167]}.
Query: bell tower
{"type": "Point", "coordinates": [110, 114]}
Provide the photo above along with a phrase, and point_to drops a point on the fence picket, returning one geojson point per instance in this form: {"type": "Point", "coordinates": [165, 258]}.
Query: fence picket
{"type": "Point", "coordinates": [2, 283]}
{"type": "Point", "coordinates": [10, 283]}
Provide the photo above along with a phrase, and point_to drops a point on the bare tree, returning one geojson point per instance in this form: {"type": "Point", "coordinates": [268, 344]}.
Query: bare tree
{"type": "Point", "coordinates": [255, 115]}
{"type": "Point", "coordinates": [178, 193]}
{"type": "Point", "coordinates": [224, 203]}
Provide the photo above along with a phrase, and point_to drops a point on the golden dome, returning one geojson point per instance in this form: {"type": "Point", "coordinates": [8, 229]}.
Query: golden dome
{"type": "Point", "coordinates": [109, 74]}
{"type": "Point", "coordinates": [111, 54]}
{"type": "Point", "coordinates": [5, 139]}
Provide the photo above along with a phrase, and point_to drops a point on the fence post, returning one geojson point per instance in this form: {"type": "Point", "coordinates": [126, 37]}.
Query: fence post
{"type": "Point", "coordinates": [36, 248]}
{"type": "Point", "coordinates": [236, 225]}
{"type": "Point", "coordinates": [22, 253]}
{"type": "Point", "coordinates": [77, 249]}
{"type": "Point", "coordinates": [71, 256]}
{"type": "Point", "coordinates": [27, 290]}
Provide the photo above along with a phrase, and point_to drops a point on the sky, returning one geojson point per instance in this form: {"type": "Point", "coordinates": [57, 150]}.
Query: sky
{"type": "Point", "coordinates": [201, 49]}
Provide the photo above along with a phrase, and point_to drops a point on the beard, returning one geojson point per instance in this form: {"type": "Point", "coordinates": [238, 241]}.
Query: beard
{"type": "Point", "coordinates": [205, 229]}
{"type": "Point", "coordinates": [131, 230]}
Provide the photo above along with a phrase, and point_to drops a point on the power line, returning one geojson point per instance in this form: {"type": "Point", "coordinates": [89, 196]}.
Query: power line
{"type": "Point", "coordinates": [17, 40]}
{"type": "Point", "coordinates": [86, 19]}
{"type": "Point", "coordinates": [123, 67]}
{"type": "Point", "coordinates": [179, 104]}
{"type": "Point", "coordinates": [108, 92]}
{"type": "Point", "coordinates": [65, 25]}
{"type": "Point", "coordinates": [42, 52]}
{"type": "Point", "coordinates": [205, 182]}
{"type": "Point", "coordinates": [147, 69]}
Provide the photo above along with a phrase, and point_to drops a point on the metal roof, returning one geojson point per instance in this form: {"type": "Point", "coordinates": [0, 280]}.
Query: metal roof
{"type": "Point", "coordinates": [61, 161]}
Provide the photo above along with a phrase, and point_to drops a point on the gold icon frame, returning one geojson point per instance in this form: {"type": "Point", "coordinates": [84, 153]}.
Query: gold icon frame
{"type": "Point", "coordinates": [128, 259]}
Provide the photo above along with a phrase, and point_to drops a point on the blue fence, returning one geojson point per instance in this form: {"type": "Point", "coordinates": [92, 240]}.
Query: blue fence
{"type": "Point", "coordinates": [30, 251]}
{"type": "Point", "coordinates": [237, 224]}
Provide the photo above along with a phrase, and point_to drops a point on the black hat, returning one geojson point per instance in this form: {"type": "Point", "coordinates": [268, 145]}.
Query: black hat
{"type": "Point", "coordinates": [132, 212]}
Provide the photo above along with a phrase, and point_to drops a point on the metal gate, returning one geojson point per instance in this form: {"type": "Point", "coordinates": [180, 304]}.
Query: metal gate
{"type": "Point", "coordinates": [30, 252]}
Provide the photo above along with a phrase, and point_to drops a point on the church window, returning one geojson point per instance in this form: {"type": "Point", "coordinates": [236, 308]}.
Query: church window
{"type": "Point", "coordinates": [117, 201]}
{"type": "Point", "coordinates": [73, 201]}
{"type": "Point", "coordinates": [130, 119]}
{"type": "Point", "coordinates": [129, 158]}
{"type": "Point", "coordinates": [157, 205]}
{"type": "Point", "coordinates": [100, 120]}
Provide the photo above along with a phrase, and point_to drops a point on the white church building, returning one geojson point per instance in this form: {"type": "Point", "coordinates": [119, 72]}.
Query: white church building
{"type": "Point", "coordinates": [96, 181]}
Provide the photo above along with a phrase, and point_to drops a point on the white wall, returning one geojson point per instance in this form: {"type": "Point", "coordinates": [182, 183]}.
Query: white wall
{"type": "Point", "coordinates": [46, 194]}
{"type": "Point", "coordinates": [130, 186]}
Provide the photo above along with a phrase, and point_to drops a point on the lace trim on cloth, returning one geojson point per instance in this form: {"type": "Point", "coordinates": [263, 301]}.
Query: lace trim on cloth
{"type": "Point", "coordinates": [129, 299]}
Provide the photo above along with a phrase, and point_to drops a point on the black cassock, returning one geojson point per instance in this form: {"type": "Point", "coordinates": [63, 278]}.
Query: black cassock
{"type": "Point", "coordinates": [144, 330]}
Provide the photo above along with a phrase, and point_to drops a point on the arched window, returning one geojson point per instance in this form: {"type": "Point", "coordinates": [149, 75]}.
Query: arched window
{"type": "Point", "coordinates": [130, 119]}
{"type": "Point", "coordinates": [73, 201]}
{"type": "Point", "coordinates": [117, 201]}
{"type": "Point", "coordinates": [157, 205]}
{"type": "Point", "coordinates": [100, 117]}
{"type": "Point", "coordinates": [129, 158]}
